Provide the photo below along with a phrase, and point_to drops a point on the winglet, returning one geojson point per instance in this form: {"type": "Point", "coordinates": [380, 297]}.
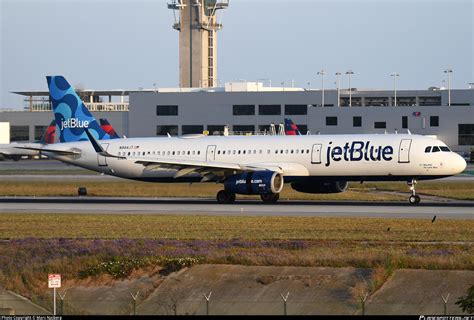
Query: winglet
{"type": "Point", "coordinates": [98, 148]}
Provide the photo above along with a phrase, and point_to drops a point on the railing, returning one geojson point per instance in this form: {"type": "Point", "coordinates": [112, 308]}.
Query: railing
{"type": "Point", "coordinates": [95, 107]}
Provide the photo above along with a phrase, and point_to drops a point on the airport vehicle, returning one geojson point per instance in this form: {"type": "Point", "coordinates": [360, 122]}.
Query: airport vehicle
{"type": "Point", "coordinates": [255, 165]}
{"type": "Point", "coordinates": [12, 150]}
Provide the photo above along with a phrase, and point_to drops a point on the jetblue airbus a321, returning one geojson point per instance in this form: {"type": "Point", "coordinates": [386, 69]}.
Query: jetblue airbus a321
{"type": "Point", "coordinates": [251, 165]}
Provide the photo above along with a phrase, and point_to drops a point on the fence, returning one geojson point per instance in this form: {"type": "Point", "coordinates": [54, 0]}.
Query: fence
{"type": "Point", "coordinates": [134, 303]}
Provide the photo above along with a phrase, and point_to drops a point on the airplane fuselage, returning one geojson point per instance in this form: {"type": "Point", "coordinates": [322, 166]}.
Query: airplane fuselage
{"type": "Point", "coordinates": [328, 157]}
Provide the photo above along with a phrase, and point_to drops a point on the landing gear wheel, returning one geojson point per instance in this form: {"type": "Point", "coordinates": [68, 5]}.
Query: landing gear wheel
{"type": "Point", "coordinates": [414, 199]}
{"type": "Point", "coordinates": [225, 197]}
{"type": "Point", "coordinates": [270, 197]}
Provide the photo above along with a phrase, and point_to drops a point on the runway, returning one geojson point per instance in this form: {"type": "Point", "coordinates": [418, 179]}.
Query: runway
{"type": "Point", "coordinates": [187, 206]}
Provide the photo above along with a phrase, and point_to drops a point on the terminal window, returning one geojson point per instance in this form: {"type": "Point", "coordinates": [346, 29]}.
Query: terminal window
{"type": "Point", "coordinates": [19, 133]}
{"type": "Point", "coordinates": [192, 129]}
{"type": "Point", "coordinates": [404, 122]}
{"type": "Point", "coordinates": [215, 129]}
{"type": "Point", "coordinates": [269, 109]}
{"type": "Point", "coordinates": [39, 131]}
{"type": "Point", "coordinates": [166, 110]}
{"type": "Point", "coordinates": [244, 110]}
{"type": "Point", "coordinates": [331, 121]}
{"type": "Point", "coordinates": [243, 129]}
{"type": "Point", "coordinates": [357, 121]}
{"type": "Point", "coordinates": [296, 109]}
{"type": "Point", "coordinates": [380, 125]}
{"type": "Point", "coordinates": [303, 128]}
{"type": "Point", "coordinates": [466, 134]}
{"type": "Point", "coordinates": [164, 130]}
{"type": "Point", "coordinates": [434, 121]}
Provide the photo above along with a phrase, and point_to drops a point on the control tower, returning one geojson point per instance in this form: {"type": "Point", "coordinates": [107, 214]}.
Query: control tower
{"type": "Point", "coordinates": [197, 23]}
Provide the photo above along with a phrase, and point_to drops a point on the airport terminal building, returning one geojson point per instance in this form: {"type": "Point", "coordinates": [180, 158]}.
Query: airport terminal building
{"type": "Point", "coordinates": [248, 107]}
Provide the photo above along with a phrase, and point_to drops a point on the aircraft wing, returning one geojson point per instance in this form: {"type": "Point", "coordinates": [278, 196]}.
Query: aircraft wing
{"type": "Point", "coordinates": [217, 169]}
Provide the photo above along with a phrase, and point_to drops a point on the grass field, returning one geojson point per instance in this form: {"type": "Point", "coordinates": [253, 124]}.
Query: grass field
{"type": "Point", "coordinates": [78, 245]}
{"type": "Point", "coordinates": [111, 226]}
{"type": "Point", "coordinates": [122, 188]}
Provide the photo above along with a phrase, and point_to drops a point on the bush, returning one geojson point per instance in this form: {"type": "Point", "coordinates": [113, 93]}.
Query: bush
{"type": "Point", "coordinates": [466, 303]}
{"type": "Point", "coordinates": [122, 267]}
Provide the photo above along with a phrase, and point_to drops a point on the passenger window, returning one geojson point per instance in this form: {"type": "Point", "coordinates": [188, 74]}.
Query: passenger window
{"type": "Point", "coordinates": [243, 152]}
{"type": "Point", "coordinates": [223, 152]}
{"type": "Point", "coordinates": [292, 151]}
{"type": "Point", "coordinates": [435, 149]}
{"type": "Point", "coordinates": [129, 153]}
{"type": "Point", "coordinates": [427, 149]}
{"type": "Point", "coordinates": [302, 151]}
{"type": "Point", "coordinates": [281, 151]}
{"type": "Point", "coordinates": [307, 150]}
{"type": "Point", "coordinates": [189, 152]}
{"type": "Point", "coordinates": [199, 152]}
{"type": "Point", "coordinates": [445, 149]}
{"type": "Point", "coordinates": [276, 151]}
{"type": "Point", "coordinates": [239, 151]}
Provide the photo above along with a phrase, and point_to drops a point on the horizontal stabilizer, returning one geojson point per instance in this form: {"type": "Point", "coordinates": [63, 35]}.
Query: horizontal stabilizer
{"type": "Point", "coordinates": [60, 152]}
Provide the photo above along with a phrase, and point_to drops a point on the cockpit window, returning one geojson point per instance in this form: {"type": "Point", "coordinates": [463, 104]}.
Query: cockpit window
{"type": "Point", "coordinates": [436, 149]}
{"type": "Point", "coordinates": [445, 149]}
{"type": "Point", "coordinates": [428, 149]}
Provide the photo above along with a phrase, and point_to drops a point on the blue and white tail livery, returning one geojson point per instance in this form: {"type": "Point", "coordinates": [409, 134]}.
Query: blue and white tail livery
{"type": "Point", "coordinates": [70, 113]}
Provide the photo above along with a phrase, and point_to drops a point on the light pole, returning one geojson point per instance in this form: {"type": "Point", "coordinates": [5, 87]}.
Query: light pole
{"type": "Point", "coordinates": [321, 73]}
{"type": "Point", "coordinates": [338, 74]}
{"type": "Point", "coordinates": [449, 71]}
{"type": "Point", "coordinates": [349, 73]}
{"type": "Point", "coordinates": [395, 75]}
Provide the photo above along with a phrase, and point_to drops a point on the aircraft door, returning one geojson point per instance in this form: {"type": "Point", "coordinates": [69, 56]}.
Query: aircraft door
{"type": "Point", "coordinates": [316, 153]}
{"type": "Point", "coordinates": [211, 153]}
{"type": "Point", "coordinates": [101, 160]}
{"type": "Point", "coordinates": [404, 151]}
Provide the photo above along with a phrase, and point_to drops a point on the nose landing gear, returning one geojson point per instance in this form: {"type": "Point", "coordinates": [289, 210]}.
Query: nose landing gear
{"type": "Point", "coordinates": [414, 198]}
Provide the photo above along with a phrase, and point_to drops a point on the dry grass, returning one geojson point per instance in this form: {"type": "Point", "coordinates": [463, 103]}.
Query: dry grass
{"type": "Point", "coordinates": [449, 189]}
{"type": "Point", "coordinates": [109, 226]}
{"type": "Point", "coordinates": [126, 188]}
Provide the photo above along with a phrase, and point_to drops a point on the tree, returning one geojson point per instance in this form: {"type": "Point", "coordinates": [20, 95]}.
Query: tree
{"type": "Point", "coordinates": [466, 303]}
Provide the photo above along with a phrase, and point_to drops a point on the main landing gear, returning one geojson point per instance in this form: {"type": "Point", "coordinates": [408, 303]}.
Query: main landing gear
{"type": "Point", "coordinates": [414, 198]}
{"type": "Point", "coordinates": [226, 197]}
{"type": "Point", "coordinates": [270, 197]}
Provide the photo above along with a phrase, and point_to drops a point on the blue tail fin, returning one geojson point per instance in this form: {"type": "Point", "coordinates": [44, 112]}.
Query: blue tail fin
{"type": "Point", "coordinates": [70, 113]}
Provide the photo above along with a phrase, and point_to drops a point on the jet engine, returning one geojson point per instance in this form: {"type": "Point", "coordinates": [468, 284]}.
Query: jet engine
{"type": "Point", "coordinates": [256, 182]}
{"type": "Point", "coordinates": [320, 186]}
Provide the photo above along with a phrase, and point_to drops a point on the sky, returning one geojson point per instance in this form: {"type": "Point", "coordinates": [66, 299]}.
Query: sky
{"type": "Point", "coordinates": [111, 44]}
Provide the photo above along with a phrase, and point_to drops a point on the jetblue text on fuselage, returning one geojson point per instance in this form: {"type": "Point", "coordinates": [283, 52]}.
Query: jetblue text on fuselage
{"type": "Point", "coordinates": [74, 123]}
{"type": "Point", "coordinates": [358, 151]}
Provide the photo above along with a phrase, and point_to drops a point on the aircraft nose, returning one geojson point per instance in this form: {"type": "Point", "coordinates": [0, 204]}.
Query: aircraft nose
{"type": "Point", "coordinates": [458, 164]}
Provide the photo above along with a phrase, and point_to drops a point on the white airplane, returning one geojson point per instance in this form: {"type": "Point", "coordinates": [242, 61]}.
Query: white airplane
{"type": "Point", "coordinates": [16, 150]}
{"type": "Point", "coordinates": [252, 165]}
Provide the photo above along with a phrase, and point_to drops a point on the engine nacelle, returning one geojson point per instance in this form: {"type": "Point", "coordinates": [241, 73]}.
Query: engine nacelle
{"type": "Point", "coordinates": [317, 186]}
{"type": "Point", "coordinates": [257, 182]}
